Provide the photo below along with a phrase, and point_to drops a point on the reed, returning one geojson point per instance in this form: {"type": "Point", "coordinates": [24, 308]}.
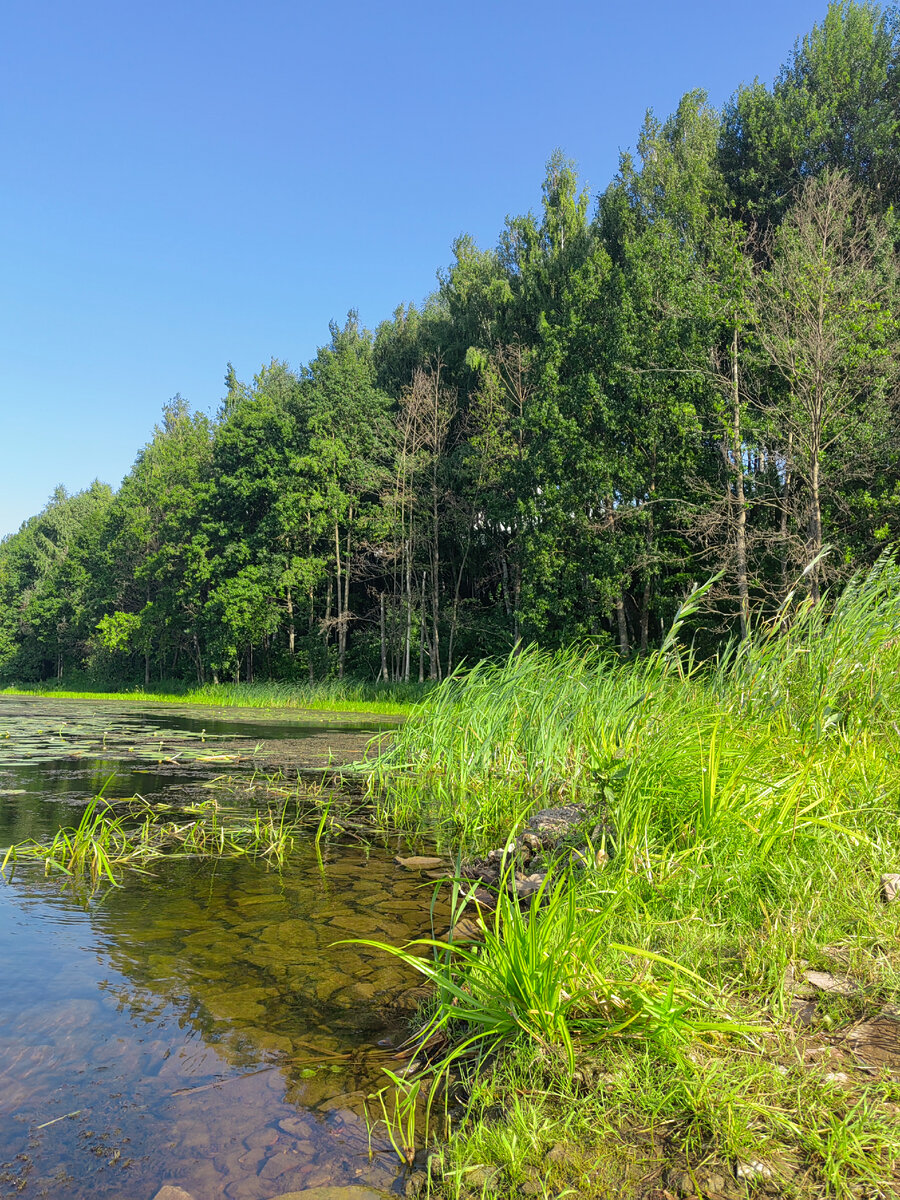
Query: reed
{"type": "Point", "coordinates": [108, 839]}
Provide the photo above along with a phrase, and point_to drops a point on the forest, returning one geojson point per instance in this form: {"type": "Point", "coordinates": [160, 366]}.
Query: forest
{"type": "Point", "coordinates": [694, 374]}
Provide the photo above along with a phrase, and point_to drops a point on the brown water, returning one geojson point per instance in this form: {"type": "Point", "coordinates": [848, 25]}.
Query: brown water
{"type": "Point", "coordinates": [199, 1026]}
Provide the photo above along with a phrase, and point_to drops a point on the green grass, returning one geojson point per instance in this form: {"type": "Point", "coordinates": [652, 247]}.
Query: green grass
{"type": "Point", "coordinates": [748, 808]}
{"type": "Point", "coordinates": [339, 696]}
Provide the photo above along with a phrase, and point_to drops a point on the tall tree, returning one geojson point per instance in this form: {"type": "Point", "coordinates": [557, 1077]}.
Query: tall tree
{"type": "Point", "coordinates": [824, 319]}
{"type": "Point", "coordinates": [835, 104]}
{"type": "Point", "coordinates": [349, 452]}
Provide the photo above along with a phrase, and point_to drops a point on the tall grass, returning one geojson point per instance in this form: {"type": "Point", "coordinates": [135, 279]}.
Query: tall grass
{"type": "Point", "coordinates": [749, 806]}
{"type": "Point", "coordinates": [664, 738]}
{"type": "Point", "coordinates": [815, 667]}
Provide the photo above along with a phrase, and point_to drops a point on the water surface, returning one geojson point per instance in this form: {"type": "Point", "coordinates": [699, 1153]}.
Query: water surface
{"type": "Point", "coordinates": [199, 1025]}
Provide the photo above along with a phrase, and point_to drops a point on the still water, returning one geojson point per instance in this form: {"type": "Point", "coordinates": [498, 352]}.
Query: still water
{"type": "Point", "coordinates": [201, 1025]}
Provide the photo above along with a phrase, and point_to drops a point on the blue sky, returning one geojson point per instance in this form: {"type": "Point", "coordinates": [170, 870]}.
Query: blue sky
{"type": "Point", "coordinates": [191, 183]}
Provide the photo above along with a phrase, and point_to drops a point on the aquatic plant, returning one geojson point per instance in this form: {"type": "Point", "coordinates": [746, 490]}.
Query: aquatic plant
{"type": "Point", "coordinates": [399, 1102]}
{"type": "Point", "coordinates": [110, 837]}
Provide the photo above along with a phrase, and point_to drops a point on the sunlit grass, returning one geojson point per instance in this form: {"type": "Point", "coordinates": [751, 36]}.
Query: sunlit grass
{"type": "Point", "coordinates": [337, 696]}
{"type": "Point", "coordinates": [748, 808]}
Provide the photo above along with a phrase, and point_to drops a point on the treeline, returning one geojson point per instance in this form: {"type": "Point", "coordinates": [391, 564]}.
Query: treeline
{"type": "Point", "coordinates": [697, 373]}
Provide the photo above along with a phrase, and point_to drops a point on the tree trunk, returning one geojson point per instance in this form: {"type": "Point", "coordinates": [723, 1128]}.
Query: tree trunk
{"type": "Point", "coordinates": [310, 639]}
{"type": "Point", "coordinates": [517, 600]}
{"type": "Point", "coordinates": [785, 513]}
{"type": "Point", "coordinates": [815, 522]}
{"type": "Point", "coordinates": [645, 614]}
{"type": "Point", "coordinates": [345, 610]}
{"type": "Point", "coordinates": [338, 597]}
{"type": "Point", "coordinates": [737, 454]}
{"type": "Point", "coordinates": [434, 671]}
{"type": "Point", "coordinates": [198, 659]}
{"type": "Point", "coordinates": [422, 634]}
{"type": "Point", "coordinates": [622, 621]}
{"type": "Point", "coordinates": [292, 634]}
{"type": "Point", "coordinates": [384, 666]}
{"type": "Point", "coordinates": [504, 574]}
{"type": "Point", "coordinates": [456, 590]}
{"type": "Point", "coordinates": [408, 644]}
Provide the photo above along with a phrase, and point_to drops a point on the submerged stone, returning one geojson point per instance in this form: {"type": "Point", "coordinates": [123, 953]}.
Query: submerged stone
{"type": "Point", "coordinates": [420, 862]}
{"type": "Point", "coordinates": [334, 1193]}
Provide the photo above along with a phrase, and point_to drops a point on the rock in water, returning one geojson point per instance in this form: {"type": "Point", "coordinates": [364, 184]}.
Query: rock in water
{"type": "Point", "coordinates": [420, 862]}
{"type": "Point", "coordinates": [465, 930]}
{"type": "Point", "coordinates": [334, 1193]}
{"type": "Point", "coordinates": [169, 1192]}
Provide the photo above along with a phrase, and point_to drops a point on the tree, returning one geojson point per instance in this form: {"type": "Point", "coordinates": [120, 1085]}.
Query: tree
{"type": "Point", "coordinates": [834, 105]}
{"type": "Point", "coordinates": [349, 455]}
{"type": "Point", "coordinates": [824, 319]}
{"type": "Point", "coordinates": [47, 585]}
{"type": "Point", "coordinates": [157, 554]}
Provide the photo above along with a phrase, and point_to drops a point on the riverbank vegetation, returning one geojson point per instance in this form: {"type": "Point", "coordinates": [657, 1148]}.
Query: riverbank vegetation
{"type": "Point", "coordinates": [327, 695]}
{"type": "Point", "coordinates": [695, 374]}
{"type": "Point", "coordinates": [702, 995]}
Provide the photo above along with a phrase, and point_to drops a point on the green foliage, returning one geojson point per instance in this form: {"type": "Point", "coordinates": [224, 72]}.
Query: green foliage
{"type": "Point", "coordinates": [833, 105]}
{"type": "Point", "coordinates": [117, 630]}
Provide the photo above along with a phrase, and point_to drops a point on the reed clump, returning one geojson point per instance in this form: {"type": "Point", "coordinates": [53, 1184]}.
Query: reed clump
{"type": "Point", "coordinates": [112, 837]}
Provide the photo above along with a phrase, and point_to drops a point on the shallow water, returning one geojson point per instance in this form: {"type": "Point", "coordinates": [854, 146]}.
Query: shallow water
{"type": "Point", "coordinates": [198, 1026]}
{"type": "Point", "coordinates": [37, 729]}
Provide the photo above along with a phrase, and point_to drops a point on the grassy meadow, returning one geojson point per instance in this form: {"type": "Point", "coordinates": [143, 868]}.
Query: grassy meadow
{"type": "Point", "coordinates": [646, 1028]}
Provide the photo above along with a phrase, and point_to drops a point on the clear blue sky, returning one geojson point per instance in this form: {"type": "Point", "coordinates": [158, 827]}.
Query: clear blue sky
{"type": "Point", "coordinates": [188, 183]}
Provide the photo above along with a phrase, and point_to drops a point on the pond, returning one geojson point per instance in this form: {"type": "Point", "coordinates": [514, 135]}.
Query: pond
{"type": "Point", "coordinates": [201, 1025]}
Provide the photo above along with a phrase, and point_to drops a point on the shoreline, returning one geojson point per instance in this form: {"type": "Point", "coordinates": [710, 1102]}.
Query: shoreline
{"type": "Point", "coordinates": [227, 697]}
